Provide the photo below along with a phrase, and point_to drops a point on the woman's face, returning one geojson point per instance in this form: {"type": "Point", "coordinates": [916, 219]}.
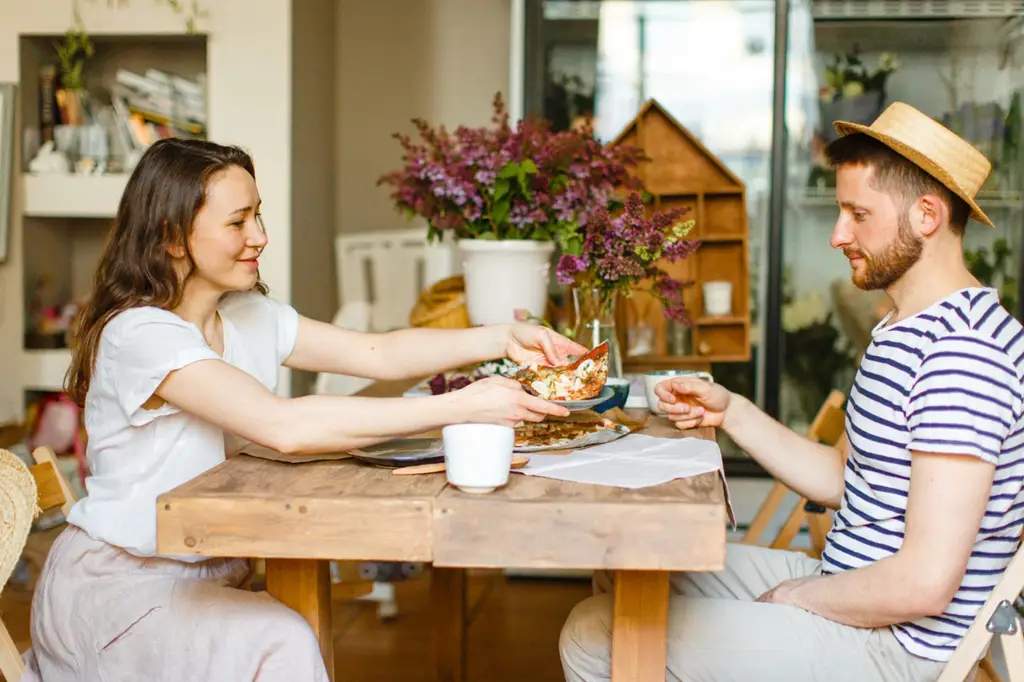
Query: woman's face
{"type": "Point", "coordinates": [227, 233]}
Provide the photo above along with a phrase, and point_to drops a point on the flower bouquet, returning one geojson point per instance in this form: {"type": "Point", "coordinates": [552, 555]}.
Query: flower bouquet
{"type": "Point", "coordinates": [507, 183]}
{"type": "Point", "coordinates": [609, 257]}
{"type": "Point", "coordinates": [507, 195]}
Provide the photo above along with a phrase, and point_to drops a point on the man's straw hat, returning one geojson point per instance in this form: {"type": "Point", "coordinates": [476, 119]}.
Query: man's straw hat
{"type": "Point", "coordinates": [931, 146]}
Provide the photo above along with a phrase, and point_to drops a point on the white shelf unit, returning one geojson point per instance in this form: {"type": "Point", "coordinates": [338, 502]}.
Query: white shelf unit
{"type": "Point", "coordinates": [71, 196]}
{"type": "Point", "coordinates": [44, 369]}
{"type": "Point", "coordinates": [270, 76]}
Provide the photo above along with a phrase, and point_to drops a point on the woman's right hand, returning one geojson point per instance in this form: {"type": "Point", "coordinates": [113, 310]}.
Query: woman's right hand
{"type": "Point", "coordinates": [693, 403]}
{"type": "Point", "coordinates": [499, 400]}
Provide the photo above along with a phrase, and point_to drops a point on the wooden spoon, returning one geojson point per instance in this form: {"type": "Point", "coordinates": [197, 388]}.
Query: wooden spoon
{"type": "Point", "coordinates": [518, 462]}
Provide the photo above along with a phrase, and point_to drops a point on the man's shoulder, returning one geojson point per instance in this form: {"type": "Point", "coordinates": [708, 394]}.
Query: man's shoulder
{"type": "Point", "coordinates": [973, 322]}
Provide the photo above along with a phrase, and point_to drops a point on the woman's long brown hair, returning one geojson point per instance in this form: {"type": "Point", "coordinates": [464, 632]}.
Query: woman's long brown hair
{"type": "Point", "coordinates": [160, 202]}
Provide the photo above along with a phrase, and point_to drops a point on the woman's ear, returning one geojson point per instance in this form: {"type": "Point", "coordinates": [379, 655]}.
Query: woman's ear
{"type": "Point", "coordinates": [175, 246]}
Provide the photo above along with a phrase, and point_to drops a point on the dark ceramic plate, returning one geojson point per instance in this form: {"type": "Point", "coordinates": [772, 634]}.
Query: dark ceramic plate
{"type": "Point", "coordinates": [402, 452]}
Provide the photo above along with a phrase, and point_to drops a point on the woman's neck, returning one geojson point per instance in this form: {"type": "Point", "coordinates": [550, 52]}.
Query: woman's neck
{"type": "Point", "coordinates": [199, 306]}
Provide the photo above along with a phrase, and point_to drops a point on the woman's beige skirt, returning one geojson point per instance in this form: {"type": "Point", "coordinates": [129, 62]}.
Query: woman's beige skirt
{"type": "Point", "coordinates": [101, 614]}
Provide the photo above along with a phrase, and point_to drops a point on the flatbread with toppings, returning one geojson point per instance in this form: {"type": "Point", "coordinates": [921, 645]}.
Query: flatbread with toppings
{"type": "Point", "coordinates": [550, 432]}
{"type": "Point", "coordinates": [581, 380]}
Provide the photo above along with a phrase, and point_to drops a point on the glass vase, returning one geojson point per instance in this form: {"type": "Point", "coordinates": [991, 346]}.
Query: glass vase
{"type": "Point", "coordinates": [595, 324]}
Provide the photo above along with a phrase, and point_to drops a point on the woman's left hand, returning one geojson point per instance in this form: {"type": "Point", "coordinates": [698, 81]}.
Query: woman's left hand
{"type": "Point", "coordinates": [534, 344]}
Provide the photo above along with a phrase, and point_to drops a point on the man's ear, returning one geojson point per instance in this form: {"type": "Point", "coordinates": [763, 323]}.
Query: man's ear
{"type": "Point", "coordinates": [931, 214]}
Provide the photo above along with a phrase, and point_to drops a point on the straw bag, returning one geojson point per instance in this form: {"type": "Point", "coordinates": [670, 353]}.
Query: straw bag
{"type": "Point", "coordinates": [18, 508]}
{"type": "Point", "coordinates": [442, 305]}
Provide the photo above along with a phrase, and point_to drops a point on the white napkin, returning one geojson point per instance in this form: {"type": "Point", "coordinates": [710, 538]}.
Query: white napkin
{"type": "Point", "coordinates": [634, 461]}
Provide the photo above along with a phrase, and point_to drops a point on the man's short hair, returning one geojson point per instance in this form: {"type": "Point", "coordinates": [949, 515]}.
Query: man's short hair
{"type": "Point", "coordinates": [896, 175]}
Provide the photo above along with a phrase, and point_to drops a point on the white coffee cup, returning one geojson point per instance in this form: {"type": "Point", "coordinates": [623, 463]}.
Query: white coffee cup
{"type": "Point", "coordinates": [478, 457]}
{"type": "Point", "coordinates": [652, 379]}
{"type": "Point", "coordinates": [717, 298]}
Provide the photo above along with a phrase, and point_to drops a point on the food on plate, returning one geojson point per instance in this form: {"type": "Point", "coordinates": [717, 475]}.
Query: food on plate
{"type": "Point", "coordinates": [580, 380]}
{"type": "Point", "coordinates": [554, 432]}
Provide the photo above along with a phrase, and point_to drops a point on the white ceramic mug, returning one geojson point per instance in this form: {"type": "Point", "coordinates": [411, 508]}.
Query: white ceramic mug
{"type": "Point", "coordinates": [652, 379]}
{"type": "Point", "coordinates": [478, 457]}
{"type": "Point", "coordinates": [717, 298]}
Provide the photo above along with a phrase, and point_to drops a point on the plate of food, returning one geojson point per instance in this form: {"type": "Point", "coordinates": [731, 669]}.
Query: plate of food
{"type": "Point", "coordinates": [574, 432]}
{"type": "Point", "coordinates": [578, 385]}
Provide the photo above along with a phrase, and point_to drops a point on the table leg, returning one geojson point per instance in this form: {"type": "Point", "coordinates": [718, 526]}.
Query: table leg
{"type": "Point", "coordinates": [305, 586]}
{"type": "Point", "coordinates": [448, 609]}
{"type": "Point", "coordinates": [640, 626]}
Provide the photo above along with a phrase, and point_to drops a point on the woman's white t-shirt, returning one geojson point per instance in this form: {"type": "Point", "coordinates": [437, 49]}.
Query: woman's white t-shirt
{"type": "Point", "coordinates": [135, 454]}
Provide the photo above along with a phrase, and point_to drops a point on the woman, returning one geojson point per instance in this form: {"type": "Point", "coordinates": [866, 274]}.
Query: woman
{"type": "Point", "coordinates": [176, 361]}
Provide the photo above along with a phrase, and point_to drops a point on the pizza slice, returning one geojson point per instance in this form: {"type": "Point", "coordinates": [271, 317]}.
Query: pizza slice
{"type": "Point", "coordinates": [580, 380]}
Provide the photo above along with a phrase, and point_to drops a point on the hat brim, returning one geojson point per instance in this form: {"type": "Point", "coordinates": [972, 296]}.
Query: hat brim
{"type": "Point", "coordinates": [845, 128]}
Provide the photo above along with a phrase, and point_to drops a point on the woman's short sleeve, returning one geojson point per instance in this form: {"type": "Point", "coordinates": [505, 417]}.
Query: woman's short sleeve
{"type": "Point", "coordinates": [287, 327]}
{"type": "Point", "coordinates": [143, 346]}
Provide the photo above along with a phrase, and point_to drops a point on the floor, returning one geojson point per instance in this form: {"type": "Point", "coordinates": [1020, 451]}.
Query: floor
{"type": "Point", "coordinates": [513, 634]}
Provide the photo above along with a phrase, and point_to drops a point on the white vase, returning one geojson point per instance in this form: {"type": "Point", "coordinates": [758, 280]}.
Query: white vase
{"type": "Point", "coordinates": [503, 275]}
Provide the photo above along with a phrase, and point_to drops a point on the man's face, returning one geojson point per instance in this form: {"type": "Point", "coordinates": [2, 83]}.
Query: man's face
{"type": "Point", "coordinates": [873, 231]}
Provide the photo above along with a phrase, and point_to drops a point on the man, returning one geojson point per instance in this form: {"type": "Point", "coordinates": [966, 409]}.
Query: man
{"type": "Point", "coordinates": [929, 488]}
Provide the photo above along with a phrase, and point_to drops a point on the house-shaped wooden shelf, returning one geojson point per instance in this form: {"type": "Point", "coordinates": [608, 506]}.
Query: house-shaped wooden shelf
{"type": "Point", "coordinates": [682, 172]}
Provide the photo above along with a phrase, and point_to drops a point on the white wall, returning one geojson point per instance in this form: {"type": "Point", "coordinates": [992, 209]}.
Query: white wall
{"type": "Point", "coordinates": [441, 60]}
{"type": "Point", "coordinates": [314, 167]}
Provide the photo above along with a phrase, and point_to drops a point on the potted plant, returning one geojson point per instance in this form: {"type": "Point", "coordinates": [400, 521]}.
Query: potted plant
{"type": "Point", "coordinates": [610, 257]}
{"type": "Point", "coordinates": [852, 92]}
{"type": "Point", "coordinates": [506, 195]}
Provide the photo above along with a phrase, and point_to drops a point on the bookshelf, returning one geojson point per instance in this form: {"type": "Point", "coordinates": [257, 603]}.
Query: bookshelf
{"type": "Point", "coordinates": [681, 172]}
{"type": "Point", "coordinates": [261, 89]}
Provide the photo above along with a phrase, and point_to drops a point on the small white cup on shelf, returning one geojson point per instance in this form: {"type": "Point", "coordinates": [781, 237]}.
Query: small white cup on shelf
{"type": "Point", "coordinates": [717, 298]}
{"type": "Point", "coordinates": [478, 457]}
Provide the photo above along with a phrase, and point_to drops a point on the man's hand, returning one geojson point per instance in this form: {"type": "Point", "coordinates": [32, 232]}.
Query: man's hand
{"type": "Point", "coordinates": [788, 591]}
{"type": "Point", "coordinates": [693, 403]}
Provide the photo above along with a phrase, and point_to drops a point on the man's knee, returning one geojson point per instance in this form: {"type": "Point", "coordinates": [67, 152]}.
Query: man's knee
{"type": "Point", "coordinates": [585, 643]}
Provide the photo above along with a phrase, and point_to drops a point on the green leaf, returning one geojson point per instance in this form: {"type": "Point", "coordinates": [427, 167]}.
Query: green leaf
{"type": "Point", "coordinates": [528, 166]}
{"type": "Point", "coordinates": [501, 188]}
{"type": "Point", "coordinates": [574, 246]}
{"type": "Point", "coordinates": [487, 236]}
{"type": "Point", "coordinates": [523, 185]}
{"type": "Point", "coordinates": [540, 234]}
{"type": "Point", "coordinates": [510, 170]}
{"type": "Point", "coordinates": [500, 210]}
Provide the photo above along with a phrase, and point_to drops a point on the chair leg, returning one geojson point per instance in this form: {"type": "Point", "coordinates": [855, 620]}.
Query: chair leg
{"type": "Point", "coordinates": [11, 663]}
{"type": "Point", "coordinates": [1013, 652]}
{"type": "Point", "coordinates": [818, 526]}
{"type": "Point", "coordinates": [765, 514]}
{"type": "Point", "coordinates": [987, 671]}
{"type": "Point", "coordinates": [791, 527]}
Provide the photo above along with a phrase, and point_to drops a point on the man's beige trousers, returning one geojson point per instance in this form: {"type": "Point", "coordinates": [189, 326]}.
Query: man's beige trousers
{"type": "Point", "coordinates": [717, 632]}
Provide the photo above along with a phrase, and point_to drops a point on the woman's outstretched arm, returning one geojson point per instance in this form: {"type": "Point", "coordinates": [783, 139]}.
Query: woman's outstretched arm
{"type": "Point", "coordinates": [236, 402]}
{"type": "Point", "coordinates": [419, 352]}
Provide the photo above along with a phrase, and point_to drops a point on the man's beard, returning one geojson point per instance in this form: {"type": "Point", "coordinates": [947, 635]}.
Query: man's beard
{"type": "Point", "coordinates": [885, 269]}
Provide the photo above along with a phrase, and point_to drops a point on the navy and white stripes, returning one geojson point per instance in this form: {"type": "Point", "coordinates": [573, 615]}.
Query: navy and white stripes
{"type": "Point", "coordinates": [948, 380]}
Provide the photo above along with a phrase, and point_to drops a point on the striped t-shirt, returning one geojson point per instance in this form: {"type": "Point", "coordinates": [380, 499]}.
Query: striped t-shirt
{"type": "Point", "coordinates": [947, 380]}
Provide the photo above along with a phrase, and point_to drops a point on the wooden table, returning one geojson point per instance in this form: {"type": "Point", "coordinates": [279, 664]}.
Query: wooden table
{"type": "Point", "coordinates": [299, 516]}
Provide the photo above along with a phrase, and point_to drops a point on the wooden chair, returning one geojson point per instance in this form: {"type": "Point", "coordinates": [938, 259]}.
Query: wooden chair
{"type": "Point", "coordinates": [996, 618]}
{"type": "Point", "coordinates": [828, 427]}
{"type": "Point", "coordinates": [50, 486]}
